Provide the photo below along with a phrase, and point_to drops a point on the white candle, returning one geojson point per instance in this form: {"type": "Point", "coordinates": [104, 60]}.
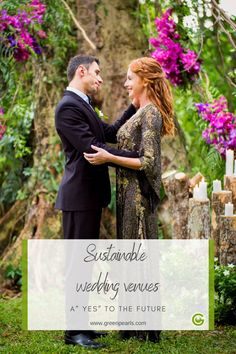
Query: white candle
{"type": "Point", "coordinates": [229, 209]}
{"type": "Point", "coordinates": [203, 189]}
{"type": "Point", "coordinates": [229, 162]}
{"type": "Point", "coordinates": [200, 191]}
{"type": "Point", "coordinates": [195, 192]}
{"type": "Point", "coordinates": [216, 186]}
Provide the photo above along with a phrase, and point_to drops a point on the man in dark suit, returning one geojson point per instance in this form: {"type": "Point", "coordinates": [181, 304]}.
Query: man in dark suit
{"type": "Point", "coordinates": [85, 189]}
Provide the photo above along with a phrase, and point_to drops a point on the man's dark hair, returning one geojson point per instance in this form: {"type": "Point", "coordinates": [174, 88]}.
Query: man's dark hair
{"type": "Point", "coordinates": [78, 60]}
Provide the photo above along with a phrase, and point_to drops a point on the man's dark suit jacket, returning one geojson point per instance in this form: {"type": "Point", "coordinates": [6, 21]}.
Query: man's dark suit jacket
{"type": "Point", "coordinates": [84, 186]}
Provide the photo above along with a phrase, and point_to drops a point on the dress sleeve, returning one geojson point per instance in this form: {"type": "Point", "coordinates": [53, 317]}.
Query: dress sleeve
{"type": "Point", "coordinates": [151, 139]}
{"type": "Point", "coordinates": [150, 147]}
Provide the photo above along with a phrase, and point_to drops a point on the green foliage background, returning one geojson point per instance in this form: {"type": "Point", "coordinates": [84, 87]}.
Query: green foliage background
{"type": "Point", "coordinates": [218, 63]}
{"type": "Point", "coordinates": [18, 97]}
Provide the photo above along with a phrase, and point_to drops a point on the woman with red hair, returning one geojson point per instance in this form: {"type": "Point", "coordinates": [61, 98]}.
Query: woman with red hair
{"type": "Point", "coordinates": [139, 179]}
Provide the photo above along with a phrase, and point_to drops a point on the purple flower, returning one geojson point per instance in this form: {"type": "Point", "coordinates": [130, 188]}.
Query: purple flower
{"type": "Point", "coordinates": [12, 41]}
{"type": "Point", "coordinates": [21, 53]}
{"type": "Point", "coordinates": [222, 124]}
{"type": "Point", "coordinates": [19, 31]}
{"type": "Point", "coordinates": [190, 62]}
{"type": "Point", "coordinates": [179, 64]}
{"type": "Point", "coordinates": [38, 7]}
{"type": "Point", "coordinates": [36, 47]}
{"type": "Point", "coordinates": [201, 107]}
{"type": "Point", "coordinates": [232, 134]}
{"type": "Point", "coordinates": [206, 136]}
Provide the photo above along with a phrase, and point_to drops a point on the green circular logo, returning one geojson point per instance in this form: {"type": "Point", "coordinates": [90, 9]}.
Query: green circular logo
{"type": "Point", "coordinates": [198, 319]}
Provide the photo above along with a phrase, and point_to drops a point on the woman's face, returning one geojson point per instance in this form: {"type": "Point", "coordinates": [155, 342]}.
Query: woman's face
{"type": "Point", "coordinates": [134, 85]}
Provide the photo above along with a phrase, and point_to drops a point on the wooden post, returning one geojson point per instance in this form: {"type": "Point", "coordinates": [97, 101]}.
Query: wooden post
{"type": "Point", "coordinates": [177, 189]}
{"type": "Point", "coordinates": [219, 199]}
{"type": "Point", "coordinates": [228, 240]}
{"type": "Point", "coordinates": [199, 219]}
{"type": "Point", "coordinates": [230, 185]}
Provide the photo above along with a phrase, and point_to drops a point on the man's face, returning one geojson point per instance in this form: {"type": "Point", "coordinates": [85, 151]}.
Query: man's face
{"type": "Point", "coordinates": [92, 79]}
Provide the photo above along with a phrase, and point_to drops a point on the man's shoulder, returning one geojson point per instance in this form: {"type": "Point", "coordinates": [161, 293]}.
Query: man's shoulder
{"type": "Point", "coordinates": [69, 101]}
{"type": "Point", "coordinates": [71, 98]}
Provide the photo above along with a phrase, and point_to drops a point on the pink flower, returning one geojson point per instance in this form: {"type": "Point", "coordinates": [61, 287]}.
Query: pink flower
{"type": "Point", "coordinates": [190, 61]}
{"type": "Point", "coordinates": [41, 34]}
{"type": "Point", "coordinates": [2, 130]}
{"type": "Point", "coordinates": [26, 38]}
{"type": "Point", "coordinates": [2, 127]}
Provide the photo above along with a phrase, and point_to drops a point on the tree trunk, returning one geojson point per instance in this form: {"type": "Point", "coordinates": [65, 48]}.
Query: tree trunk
{"type": "Point", "coordinates": [230, 185]}
{"type": "Point", "coordinates": [228, 240]}
{"type": "Point", "coordinates": [110, 26]}
{"type": "Point", "coordinates": [219, 200]}
{"type": "Point", "coordinates": [177, 190]}
{"type": "Point", "coordinates": [199, 223]}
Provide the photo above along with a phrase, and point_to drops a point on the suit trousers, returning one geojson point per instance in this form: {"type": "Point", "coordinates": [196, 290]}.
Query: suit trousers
{"type": "Point", "coordinates": [81, 224]}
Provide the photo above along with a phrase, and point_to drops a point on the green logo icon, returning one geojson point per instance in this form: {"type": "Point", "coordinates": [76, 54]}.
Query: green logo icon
{"type": "Point", "coordinates": [198, 319]}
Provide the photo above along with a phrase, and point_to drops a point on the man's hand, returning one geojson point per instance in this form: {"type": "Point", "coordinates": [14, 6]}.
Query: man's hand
{"type": "Point", "coordinates": [98, 158]}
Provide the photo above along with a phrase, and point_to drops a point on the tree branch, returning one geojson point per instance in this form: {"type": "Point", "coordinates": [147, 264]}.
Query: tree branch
{"type": "Point", "coordinates": [78, 25]}
{"type": "Point", "coordinates": [223, 28]}
{"type": "Point", "coordinates": [224, 15]}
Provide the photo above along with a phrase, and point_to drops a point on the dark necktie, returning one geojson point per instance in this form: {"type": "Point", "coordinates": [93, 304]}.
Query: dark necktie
{"type": "Point", "coordinates": [90, 101]}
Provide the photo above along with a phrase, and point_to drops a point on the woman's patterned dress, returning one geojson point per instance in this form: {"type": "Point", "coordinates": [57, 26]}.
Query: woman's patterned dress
{"type": "Point", "coordinates": [138, 191]}
{"type": "Point", "coordinates": [136, 217]}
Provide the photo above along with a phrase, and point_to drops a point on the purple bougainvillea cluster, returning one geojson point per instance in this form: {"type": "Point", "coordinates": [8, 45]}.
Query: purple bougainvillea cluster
{"type": "Point", "coordinates": [181, 65]}
{"type": "Point", "coordinates": [221, 131]}
{"type": "Point", "coordinates": [22, 30]}
{"type": "Point", "coordinates": [2, 126]}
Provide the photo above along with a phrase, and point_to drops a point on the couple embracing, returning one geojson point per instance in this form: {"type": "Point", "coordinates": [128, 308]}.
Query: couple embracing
{"type": "Point", "coordinates": [85, 187]}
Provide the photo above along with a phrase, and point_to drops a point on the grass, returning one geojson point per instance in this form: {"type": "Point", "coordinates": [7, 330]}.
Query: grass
{"type": "Point", "coordinates": [14, 340]}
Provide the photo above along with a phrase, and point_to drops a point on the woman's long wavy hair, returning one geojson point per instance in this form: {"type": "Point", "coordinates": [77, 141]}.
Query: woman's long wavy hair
{"type": "Point", "coordinates": [158, 89]}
